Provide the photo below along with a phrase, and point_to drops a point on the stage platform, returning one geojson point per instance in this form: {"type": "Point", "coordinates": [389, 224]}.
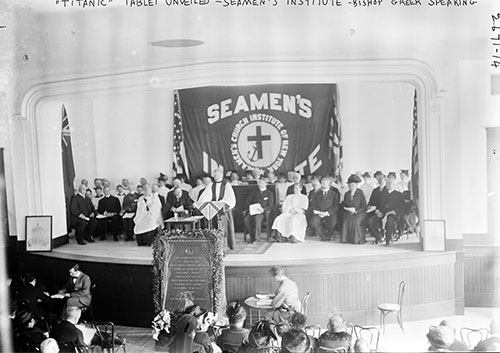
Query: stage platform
{"type": "Point", "coordinates": [348, 278]}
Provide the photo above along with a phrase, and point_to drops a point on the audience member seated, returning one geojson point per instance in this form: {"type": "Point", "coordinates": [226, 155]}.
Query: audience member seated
{"type": "Point", "coordinates": [34, 295]}
{"type": "Point", "coordinates": [361, 346]}
{"type": "Point", "coordinates": [108, 212]}
{"type": "Point", "coordinates": [457, 345]}
{"type": "Point", "coordinates": [440, 339]}
{"type": "Point", "coordinates": [49, 346]}
{"type": "Point", "coordinates": [366, 185]}
{"type": "Point", "coordinates": [292, 223]}
{"type": "Point", "coordinates": [354, 206]}
{"type": "Point", "coordinates": [259, 201]}
{"type": "Point", "coordinates": [66, 333]}
{"type": "Point", "coordinates": [98, 196]}
{"type": "Point", "coordinates": [77, 288]}
{"type": "Point", "coordinates": [259, 339]}
{"type": "Point", "coordinates": [129, 210]}
{"type": "Point", "coordinates": [201, 340]}
{"type": "Point", "coordinates": [492, 343]}
{"type": "Point", "coordinates": [178, 201]}
{"type": "Point", "coordinates": [298, 321]}
{"type": "Point", "coordinates": [27, 337]}
{"type": "Point", "coordinates": [230, 339]}
{"type": "Point", "coordinates": [390, 210]}
{"type": "Point", "coordinates": [336, 335]}
{"type": "Point", "coordinates": [286, 300]}
{"type": "Point", "coordinates": [296, 180]}
{"type": "Point", "coordinates": [296, 341]}
{"type": "Point", "coordinates": [183, 335]}
{"type": "Point", "coordinates": [148, 217]}
{"type": "Point", "coordinates": [82, 209]}
{"type": "Point", "coordinates": [402, 184]}
{"type": "Point", "coordinates": [120, 194]}
{"type": "Point", "coordinates": [324, 208]}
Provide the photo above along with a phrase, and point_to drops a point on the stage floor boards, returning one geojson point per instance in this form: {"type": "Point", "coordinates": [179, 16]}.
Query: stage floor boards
{"type": "Point", "coordinates": [311, 251]}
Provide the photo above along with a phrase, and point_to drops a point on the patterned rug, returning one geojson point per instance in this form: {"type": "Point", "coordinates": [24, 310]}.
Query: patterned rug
{"type": "Point", "coordinates": [242, 247]}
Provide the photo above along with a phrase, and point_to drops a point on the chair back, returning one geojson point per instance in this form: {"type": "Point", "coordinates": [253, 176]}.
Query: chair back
{"type": "Point", "coordinates": [334, 350]}
{"type": "Point", "coordinates": [313, 331]}
{"type": "Point", "coordinates": [305, 303]}
{"type": "Point", "coordinates": [105, 337]}
{"type": "Point", "coordinates": [230, 347]}
{"type": "Point", "coordinates": [350, 328]}
{"type": "Point", "coordinates": [370, 334]}
{"type": "Point", "coordinates": [401, 293]}
{"type": "Point", "coordinates": [473, 336]}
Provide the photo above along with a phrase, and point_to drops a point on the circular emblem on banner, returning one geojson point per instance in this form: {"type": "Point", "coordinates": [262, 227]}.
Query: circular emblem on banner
{"type": "Point", "coordinates": [260, 142]}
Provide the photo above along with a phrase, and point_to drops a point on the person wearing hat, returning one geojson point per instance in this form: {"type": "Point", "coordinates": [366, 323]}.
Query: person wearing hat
{"type": "Point", "coordinates": [231, 338]}
{"type": "Point", "coordinates": [27, 337]}
{"type": "Point", "coordinates": [259, 339]}
{"type": "Point", "coordinates": [336, 335]}
{"type": "Point", "coordinates": [354, 207]}
{"type": "Point", "coordinates": [295, 341]}
{"type": "Point", "coordinates": [440, 339]}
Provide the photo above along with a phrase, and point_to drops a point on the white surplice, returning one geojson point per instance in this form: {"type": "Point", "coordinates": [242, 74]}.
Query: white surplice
{"type": "Point", "coordinates": [148, 216]}
{"type": "Point", "coordinates": [293, 224]}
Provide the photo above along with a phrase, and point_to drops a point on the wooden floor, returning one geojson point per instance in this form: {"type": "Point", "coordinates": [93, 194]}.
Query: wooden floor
{"type": "Point", "coordinates": [308, 252]}
{"type": "Point", "coordinates": [414, 340]}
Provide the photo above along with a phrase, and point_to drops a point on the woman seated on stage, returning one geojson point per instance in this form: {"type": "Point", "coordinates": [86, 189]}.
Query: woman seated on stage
{"type": "Point", "coordinates": [292, 223]}
{"type": "Point", "coordinates": [259, 339]}
{"type": "Point", "coordinates": [354, 206]}
{"type": "Point", "coordinates": [232, 338]}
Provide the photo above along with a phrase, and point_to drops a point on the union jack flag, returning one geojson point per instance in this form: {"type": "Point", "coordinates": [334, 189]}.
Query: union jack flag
{"type": "Point", "coordinates": [68, 165]}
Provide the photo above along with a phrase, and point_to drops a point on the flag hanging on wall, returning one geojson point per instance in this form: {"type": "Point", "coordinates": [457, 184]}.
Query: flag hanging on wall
{"type": "Point", "coordinates": [68, 165]}
{"type": "Point", "coordinates": [179, 154]}
{"type": "Point", "coordinates": [414, 151]}
{"type": "Point", "coordinates": [277, 128]}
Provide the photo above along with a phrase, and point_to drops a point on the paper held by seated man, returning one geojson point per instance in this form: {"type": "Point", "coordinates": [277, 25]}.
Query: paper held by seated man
{"type": "Point", "coordinates": [255, 209]}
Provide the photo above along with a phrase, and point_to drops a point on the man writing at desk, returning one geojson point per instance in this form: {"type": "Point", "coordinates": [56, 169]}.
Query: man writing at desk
{"type": "Point", "coordinates": [221, 190]}
{"type": "Point", "coordinates": [178, 201]}
{"type": "Point", "coordinates": [77, 289]}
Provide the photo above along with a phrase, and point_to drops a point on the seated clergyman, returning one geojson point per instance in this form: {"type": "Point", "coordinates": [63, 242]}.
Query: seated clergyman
{"type": "Point", "coordinates": [108, 215]}
{"type": "Point", "coordinates": [259, 202]}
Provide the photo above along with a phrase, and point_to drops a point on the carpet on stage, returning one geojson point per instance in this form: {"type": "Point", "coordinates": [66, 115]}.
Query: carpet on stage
{"type": "Point", "coordinates": [246, 248]}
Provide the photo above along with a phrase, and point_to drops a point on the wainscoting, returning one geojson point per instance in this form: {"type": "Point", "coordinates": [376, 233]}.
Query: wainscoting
{"type": "Point", "coordinates": [482, 276]}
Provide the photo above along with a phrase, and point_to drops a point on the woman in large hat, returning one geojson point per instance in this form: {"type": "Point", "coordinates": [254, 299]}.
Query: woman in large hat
{"type": "Point", "coordinates": [354, 207]}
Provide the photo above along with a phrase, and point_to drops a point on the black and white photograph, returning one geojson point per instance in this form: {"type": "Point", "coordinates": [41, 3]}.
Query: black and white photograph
{"type": "Point", "coordinates": [274, 176]}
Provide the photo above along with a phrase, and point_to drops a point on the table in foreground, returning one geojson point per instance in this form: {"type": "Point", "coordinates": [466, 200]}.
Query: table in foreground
{"type": "Point", "coordinates": [251, 302]}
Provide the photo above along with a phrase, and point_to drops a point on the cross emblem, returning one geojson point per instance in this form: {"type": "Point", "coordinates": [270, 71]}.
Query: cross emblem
{"type": "Point", "coordinates": [258, 139]}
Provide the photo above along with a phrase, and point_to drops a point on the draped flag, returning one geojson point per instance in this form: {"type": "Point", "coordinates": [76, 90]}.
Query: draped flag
{"type": "Point", "coordinates": [178, 164]}
{"type": "Point", "coordinates": [276, 128]}
{"type": "Point", "coordinates": [414, 151]}
{"type": "Point", "coordinates": [68, 165]}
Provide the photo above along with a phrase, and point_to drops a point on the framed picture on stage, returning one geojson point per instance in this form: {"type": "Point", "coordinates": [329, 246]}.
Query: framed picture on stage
{"type": "Point", "coordinates": [434, 235]}
{"type": "Point", "coordinates": [38, 233]}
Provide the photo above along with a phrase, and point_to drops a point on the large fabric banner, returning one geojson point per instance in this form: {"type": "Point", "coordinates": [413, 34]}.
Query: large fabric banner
{"type": "Point", "coordinates": [273, 127]}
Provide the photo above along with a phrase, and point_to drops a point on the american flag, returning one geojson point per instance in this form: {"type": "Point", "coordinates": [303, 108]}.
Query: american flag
{"type": "Point", "coordinates": [68, 165]}
{"type": "Point", "coordinates": [414, 151]}
{"type": "Point", "coordinates": [179, 152]}
{"type": "Point", "coordinates": [335, 138]}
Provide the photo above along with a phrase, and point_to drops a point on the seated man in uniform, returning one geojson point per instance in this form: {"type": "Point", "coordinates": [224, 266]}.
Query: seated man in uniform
{"type": "Point", "coordinates": [108, 214]}
{"type": "Point", "coordinates": [259, 202]}
{"type": "Point", "coordinates": [178, 201]}
{"type": "Point", "coordinates": [324, 207]}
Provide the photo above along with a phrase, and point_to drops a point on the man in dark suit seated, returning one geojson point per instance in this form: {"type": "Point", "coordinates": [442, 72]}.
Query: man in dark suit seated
{"type": "Point", "coordinates": [260, 201]}
{"type": "Point", "coordinates": [34, 295]}
{"type": "Point", "coordinates": [390, 209]}
{"type": "Point", "coordinates": [66, 333]}
{"type": "Point", "coordinates": [324, 208]}
{"type": "Point", "coordinates": [77, 288]}
{"type": "Point", "coordinates": [129, 209]}
{"type": "Point", "coordinates": [296, 179]}
{"type": "Point", "coordinates": [84, 212]}
{"type": "Point", "coordinates": [178, 201]}
{"type": "Point", "coordinates": [108, 214]}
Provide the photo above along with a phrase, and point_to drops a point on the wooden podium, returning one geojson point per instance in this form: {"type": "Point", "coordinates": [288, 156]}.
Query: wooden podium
{"type": "Point", "coordinates": [189, 264]}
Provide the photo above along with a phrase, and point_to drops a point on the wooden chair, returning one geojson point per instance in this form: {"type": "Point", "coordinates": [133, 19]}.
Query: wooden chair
{"type": "Point", "coordinates": [313, 331]}
{"type": "Point", "coordinates": [370, 334]}
{"type": "Point", "coordinates": [396, 308]}
{"type": "Point", "coordinates": [473, 336]}
{"type": "Point", "coordinates": [106, 338]}
{"type": "Point", "coordinates": [305, 303]}
{"type": "Point", "coordinates": [332, 350]}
